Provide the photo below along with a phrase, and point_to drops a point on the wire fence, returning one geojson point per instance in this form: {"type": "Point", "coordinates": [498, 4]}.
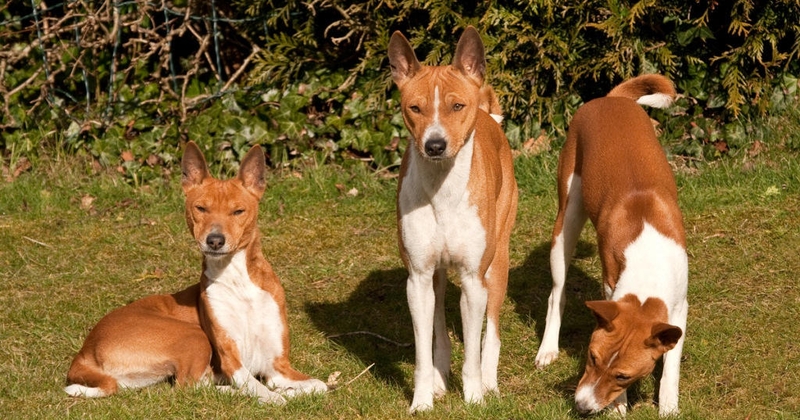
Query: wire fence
{"type": "Point", "coordinates": [92, 56]}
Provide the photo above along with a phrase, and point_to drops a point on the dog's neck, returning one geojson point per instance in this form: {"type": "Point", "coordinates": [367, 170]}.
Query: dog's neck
{"type": "Point", "coordinates": [235, 265]}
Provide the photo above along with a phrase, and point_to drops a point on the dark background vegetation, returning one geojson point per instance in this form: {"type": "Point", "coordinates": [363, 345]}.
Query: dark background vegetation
{"type": "Point", "coordinates": [125, 83]}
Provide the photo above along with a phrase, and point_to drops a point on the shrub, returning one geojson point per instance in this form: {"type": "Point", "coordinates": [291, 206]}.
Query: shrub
{"type": "Point", "coordinates": [128, 83]}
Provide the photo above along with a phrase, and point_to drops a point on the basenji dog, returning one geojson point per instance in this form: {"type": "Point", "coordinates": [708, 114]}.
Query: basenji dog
{"type": "Point", "coordinates": [613, 171]}
{"type": "Point", "coordinates": [456, 206]}
{"type": "Point", "coordinates": [230, 327]}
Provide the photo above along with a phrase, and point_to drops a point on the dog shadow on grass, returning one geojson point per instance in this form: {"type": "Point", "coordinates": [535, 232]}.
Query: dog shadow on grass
{"type": "Point", "coordinates": [529, 286]}
{"type": "Point", "coordinates": [374, 323]}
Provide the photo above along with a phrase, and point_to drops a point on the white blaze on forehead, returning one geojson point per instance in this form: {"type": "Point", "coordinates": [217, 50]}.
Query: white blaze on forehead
{"type": "Point", "coordinates": [435, 130]}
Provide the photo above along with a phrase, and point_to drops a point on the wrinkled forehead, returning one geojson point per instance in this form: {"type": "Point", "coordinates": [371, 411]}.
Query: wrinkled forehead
{"type": "Point", "coordinates": [224, 193]}
{"type": "Point", "coordinates": [444, 80]}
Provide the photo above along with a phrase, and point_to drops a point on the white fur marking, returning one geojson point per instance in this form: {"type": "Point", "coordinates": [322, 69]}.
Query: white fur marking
{"type": "Point", "coordinates": [655, 266]}
{"type": "Point", "coordinates": [249, 315]}
{"type": "Point", "coordinates": [656, 100]}
{"type": "Point", "coordinates": [435, 130]}
{"type": "Point", "coordinates": [76, 390]}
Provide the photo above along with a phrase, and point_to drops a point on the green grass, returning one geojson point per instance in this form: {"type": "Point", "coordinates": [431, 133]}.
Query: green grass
{"type": "Point", "coordinates": [62, 267]}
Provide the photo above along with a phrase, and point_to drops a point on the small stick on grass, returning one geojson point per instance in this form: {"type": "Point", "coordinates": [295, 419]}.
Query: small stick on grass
{"type": "Point", "coordinates": [359, 375]}
{"type": "Point", "coordinates": [37, 242]}
{"type": "Point", "coordinates": [372, 334]}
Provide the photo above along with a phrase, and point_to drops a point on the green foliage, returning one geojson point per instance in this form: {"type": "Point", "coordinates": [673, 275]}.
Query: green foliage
{"type": "Point", "coordinates": [315, 86]}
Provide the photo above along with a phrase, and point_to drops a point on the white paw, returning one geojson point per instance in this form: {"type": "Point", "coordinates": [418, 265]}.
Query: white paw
{"type": "Point", "coordinates": [309, 386]}
{"type": "Point", "coordinates": [269, 397]}
{"type": "Point", "coordinates": [473, 394]}
{"type": "Point", "coordinates": [665, 410]}
{"type": "Point", "coordinates": [420, 404]}
{"type": "Point", "coordinates": [545, 357]}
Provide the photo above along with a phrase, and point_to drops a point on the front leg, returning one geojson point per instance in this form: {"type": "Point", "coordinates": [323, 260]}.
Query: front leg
{"type": "Point", "coordinates": [230, 360]}
{"type": "Point", "coordinates": [473, 308]}
{"type": "Point", "coordinates": [441, 345]}
{"type": "Point", "coordinates": [246, 383]}
{"type": "Point", "coordinates": [670, 375]}
{"type": "Point", "coordinates": [421, 303]}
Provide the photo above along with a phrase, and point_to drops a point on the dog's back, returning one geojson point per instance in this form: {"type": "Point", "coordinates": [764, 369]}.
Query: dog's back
{"type": "Point", "coordinates": [616, 129]}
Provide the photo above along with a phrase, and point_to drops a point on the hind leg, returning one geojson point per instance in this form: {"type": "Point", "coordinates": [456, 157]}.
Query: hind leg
{"type": "Point", "coordinates": [85, 379]}
{"type": "Point", "coordinates": [569, 222]}
{"type": "Point", "coordinates": [197, 368]}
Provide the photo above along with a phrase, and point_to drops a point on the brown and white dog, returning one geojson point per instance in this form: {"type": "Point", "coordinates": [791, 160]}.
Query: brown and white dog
{"type": "Point", "coordinates": [231, 324]}
{"type": "Point", "coordinates": [613, 171]}
{"type": "Point", "coordinates": [456, 205]}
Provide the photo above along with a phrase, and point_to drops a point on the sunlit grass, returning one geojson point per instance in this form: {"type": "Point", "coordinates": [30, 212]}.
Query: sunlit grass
{"type": "Point", "coordinates": [66, 260]}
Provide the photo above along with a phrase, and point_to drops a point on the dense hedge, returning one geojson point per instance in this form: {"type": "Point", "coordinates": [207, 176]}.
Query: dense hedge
{"type": "Point", "coordinates": [127, 82]}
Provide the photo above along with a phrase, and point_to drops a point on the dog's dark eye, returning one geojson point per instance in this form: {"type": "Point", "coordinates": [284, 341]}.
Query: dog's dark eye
{"type": "Point", "coordinates": [622, 377]}
{"type": "Point", "coordinates": [458, 107]}
{"type": "Point", "coordinates": [414, 109]}
{"type": "Point", "coordinates": [201, 209]}
{"type": "Point", "coordinates": [238, 212]}
{"type": "Point", "coordinates": [592, 359]}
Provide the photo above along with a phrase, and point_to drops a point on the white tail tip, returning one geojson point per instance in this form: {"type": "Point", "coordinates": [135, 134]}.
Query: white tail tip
{"type": "Point", "coordinates": [76, 390]}
{"type": "Point", "coordinates": [656, 100]}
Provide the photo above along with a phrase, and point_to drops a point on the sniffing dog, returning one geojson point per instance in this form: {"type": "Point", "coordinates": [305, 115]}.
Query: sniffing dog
{"type": "Point", "coordinates": [613, 171]}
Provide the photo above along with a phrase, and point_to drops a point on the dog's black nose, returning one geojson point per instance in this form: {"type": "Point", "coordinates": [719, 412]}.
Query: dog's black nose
{"type": "Point", "coordinates": [435, 147]}
{"type": "Point", "coordinates": [215, 241]}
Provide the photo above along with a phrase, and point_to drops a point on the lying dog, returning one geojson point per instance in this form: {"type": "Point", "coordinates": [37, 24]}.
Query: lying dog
{"type": "Point", "coordinates": [613, 171]}
{"type": "Point", "coordinates": [233, 320]}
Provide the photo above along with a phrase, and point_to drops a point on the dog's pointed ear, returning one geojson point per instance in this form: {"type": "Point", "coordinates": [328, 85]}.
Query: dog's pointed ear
{"type": "Point", "coordinates": [605, 311]}
{"type": "Point", "coordinates": [470, 57]}
{"type": "Point", "coordinates": [253, 171]}
{"type": "Point", "coordinates": [193, 167]}
{"type": "Point", "coordinates": [402, 59]}
{"type": "Point", "coordinates": [664, 337]}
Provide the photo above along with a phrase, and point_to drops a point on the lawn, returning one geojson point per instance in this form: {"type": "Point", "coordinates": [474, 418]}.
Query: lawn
{"type": "Point", "coordinates": [75, 244]}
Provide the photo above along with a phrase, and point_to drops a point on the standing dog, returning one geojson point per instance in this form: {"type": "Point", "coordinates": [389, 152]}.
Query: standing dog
{"type": "Point", "coordinates": [233, 320]}
{"type": "Point", "coordinates": [456, 205]}
{"type": "Point", "coordinates": [613, 171]}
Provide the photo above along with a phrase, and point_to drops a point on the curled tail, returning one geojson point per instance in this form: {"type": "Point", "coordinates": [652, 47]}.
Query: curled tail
{"type": "Point", "coordinates": [650, 89]}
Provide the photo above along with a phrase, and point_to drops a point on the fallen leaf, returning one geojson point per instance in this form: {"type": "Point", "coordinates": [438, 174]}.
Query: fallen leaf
{"type": "Point", "coordinates": [127, 156]}
{"type": "Point", "coordinates": [756, 148]}
{"type": "Point", "coordinates": [353, 192]}
{"type": "Point", "coordinates": [23, 165]}
{"type": "Point", "coordinates": [153, 160]}
{"type": "Point", "coordinates": [86, 202]}
{"type": "Point", "coordinates": [333, 379]}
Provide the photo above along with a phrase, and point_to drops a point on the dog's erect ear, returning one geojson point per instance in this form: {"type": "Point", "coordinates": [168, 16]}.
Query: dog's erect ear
{"type": "Point", "coordinates": [402, 60]}
{"type": "Point", "coordinates": [664, 337]}
{"type": "Point", "coordinates": [253, 170]}
{"type": "Point", "coordinates": [193, 167]}
{"type": "Point", "coordinates": [470, 56]}
{"type": "Point", "coordinates": [605, 311]}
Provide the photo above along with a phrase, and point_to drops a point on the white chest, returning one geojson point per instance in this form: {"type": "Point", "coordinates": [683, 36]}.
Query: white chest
{"type": "Point", "coordinates": [440, 226]}
{"type": "Point", "coordinates": [248, 314]}
{"type": "Point", "coordinates": [655, 266]}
